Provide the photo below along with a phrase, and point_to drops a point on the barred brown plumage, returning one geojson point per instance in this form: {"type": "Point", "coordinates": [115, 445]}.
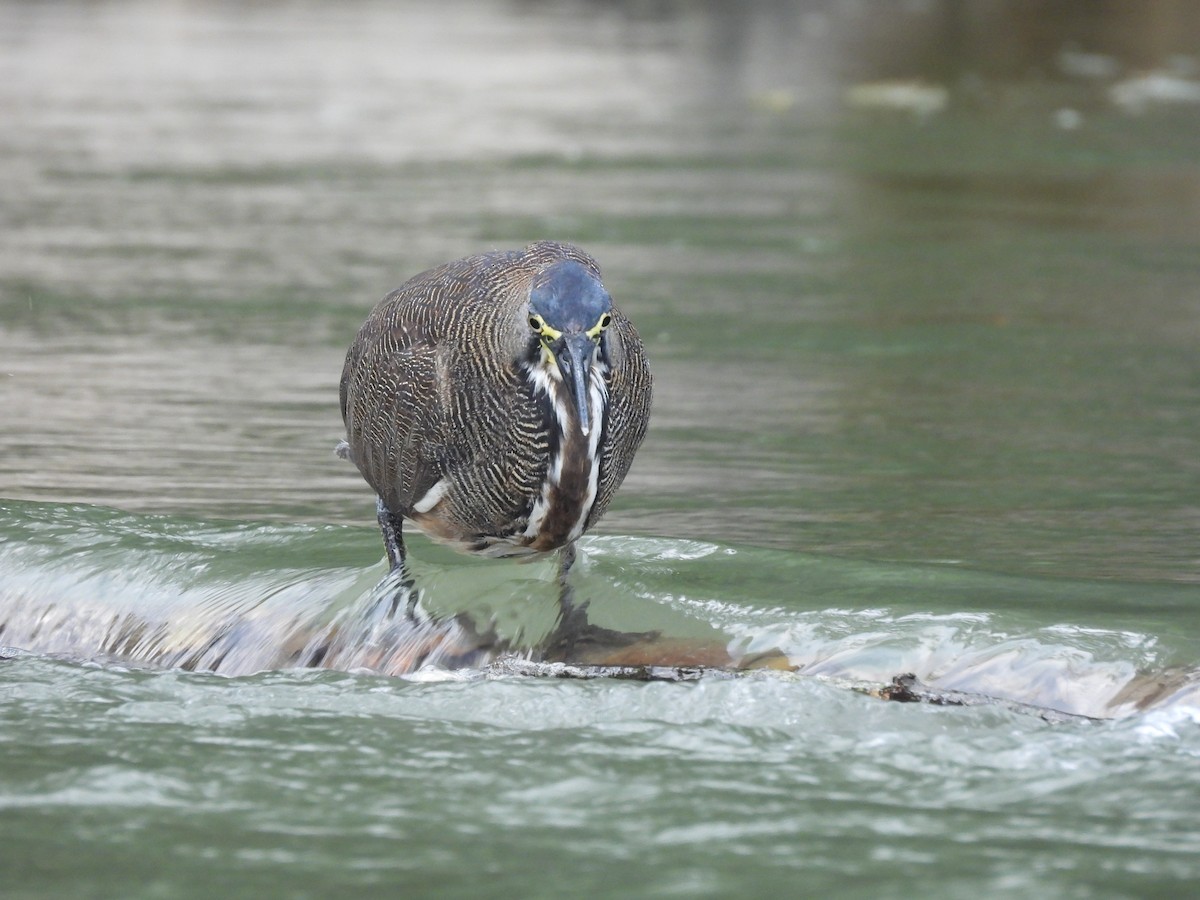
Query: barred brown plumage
{"type": "Point", "coordinates": [496, 401]}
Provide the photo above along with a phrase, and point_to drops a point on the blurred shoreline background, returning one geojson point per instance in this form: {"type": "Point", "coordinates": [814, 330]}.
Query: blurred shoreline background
{"type": "Point", "coordinates": [920, 286]}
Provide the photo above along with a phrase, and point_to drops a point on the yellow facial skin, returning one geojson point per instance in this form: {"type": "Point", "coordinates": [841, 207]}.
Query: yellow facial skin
{"type": "Point", "coordinates": [549, 335]}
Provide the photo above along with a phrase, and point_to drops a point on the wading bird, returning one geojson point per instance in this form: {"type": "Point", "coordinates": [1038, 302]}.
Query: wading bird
{"type": "Point", "coordinates": [496, 402]}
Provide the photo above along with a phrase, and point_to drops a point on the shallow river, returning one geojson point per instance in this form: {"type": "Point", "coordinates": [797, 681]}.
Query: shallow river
{"type": "Point", "coordinates": [920, 285]}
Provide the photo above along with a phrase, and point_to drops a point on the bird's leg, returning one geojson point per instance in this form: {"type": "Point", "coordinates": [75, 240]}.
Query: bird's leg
{"type": "Point", "coordinates": [572, 618]}
{"type": "Point", "coordinates": [566, 559]}
{"type": "Point", "coordinates": [393, 537]}
{"type": "Point", "coordinates": [391, 525]}
{"type": "Point", "coordinates": [575, 638]}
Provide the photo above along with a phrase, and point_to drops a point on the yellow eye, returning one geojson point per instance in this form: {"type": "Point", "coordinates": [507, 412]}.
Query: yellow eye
{"type": "Point", "coordinates": [535, 322]}
{"type": "Point", "coordinates": [605, 320]}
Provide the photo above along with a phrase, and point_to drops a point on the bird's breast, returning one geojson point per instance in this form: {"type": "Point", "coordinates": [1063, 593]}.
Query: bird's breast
{"type": "Point", "coordinates": [561, 509]}
{"type": "Point", "coordinates": [558, 509]}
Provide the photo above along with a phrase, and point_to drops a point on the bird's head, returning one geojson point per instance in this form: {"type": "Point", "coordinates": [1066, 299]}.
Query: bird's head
{"type": "Point", "coordinates": [569, 311]}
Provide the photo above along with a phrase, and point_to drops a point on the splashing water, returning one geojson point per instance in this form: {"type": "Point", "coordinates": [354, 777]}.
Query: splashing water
{"type": "Point", "coordinates": [94, 584]}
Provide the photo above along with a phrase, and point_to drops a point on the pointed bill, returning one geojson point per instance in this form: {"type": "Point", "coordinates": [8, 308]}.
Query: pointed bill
{"type": "Point", "coordinates": [575, 363]}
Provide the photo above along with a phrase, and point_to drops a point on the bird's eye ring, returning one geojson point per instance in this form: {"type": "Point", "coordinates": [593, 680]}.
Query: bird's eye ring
{"type": "Point", "coordinates": [605, 320]}
{"type": "Point", "coordinates": [535, 322]}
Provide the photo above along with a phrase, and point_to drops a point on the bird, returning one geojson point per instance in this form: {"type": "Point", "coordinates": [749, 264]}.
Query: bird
{"type": "Point", "coordinates": [496, 402]}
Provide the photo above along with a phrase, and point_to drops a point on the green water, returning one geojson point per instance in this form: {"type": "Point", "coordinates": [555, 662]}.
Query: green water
{"type": "Point", "coordinates": [927, 400]}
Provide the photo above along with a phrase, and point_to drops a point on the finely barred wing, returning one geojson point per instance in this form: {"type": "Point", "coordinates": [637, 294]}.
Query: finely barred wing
{"type": "Point", "coordinates": [386, 392]}
{"type": "Point", "coordinates": [499, 446]}
{"type": "Point", "coordinates": [430, 389]}
{"type": "Point", "coordinates": [630, 390]}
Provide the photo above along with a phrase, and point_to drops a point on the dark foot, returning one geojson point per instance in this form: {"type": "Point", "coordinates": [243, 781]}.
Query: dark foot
{"type": "Point", "coordinates": [574, 637]}
{"type": "Point", "coordinates": [398, 591]}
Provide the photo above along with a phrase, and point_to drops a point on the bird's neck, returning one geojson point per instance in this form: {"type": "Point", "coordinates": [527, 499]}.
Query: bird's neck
{"type": "Point", "coordinates": [568, 492]}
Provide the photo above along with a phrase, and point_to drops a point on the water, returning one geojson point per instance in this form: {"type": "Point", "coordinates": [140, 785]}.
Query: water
{"type": "Point", "coordinates": [919, 286]}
